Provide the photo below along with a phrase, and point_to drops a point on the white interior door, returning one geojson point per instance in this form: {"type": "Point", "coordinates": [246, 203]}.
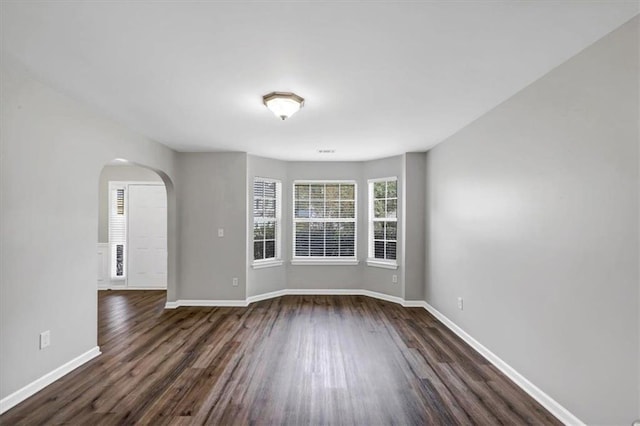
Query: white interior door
{"type": "Point", "coordinates": [147, 242]}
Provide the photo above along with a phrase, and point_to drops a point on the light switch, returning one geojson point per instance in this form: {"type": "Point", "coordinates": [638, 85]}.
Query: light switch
{"type": "Point", "coordinates": [220, 232]}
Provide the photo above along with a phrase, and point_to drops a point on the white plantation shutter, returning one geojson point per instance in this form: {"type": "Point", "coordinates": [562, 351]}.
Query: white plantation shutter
{"type": "Point", "coordinates": [324, 219]}
{"type": "Point", "coordinates": [117, 230]}
{"type": "Point", "coordinates": [266, 219]}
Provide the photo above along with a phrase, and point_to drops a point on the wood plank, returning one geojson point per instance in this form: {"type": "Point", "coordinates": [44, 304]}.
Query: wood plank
{"type": "Point", "coordinates": [290, 360]}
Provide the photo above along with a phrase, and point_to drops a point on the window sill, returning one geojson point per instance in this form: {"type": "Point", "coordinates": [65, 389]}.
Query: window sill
{"type": "Point", "coordinates": [266, 264]}
{"type": "Point", "coordinates": [325, 262]}
{"type": "Point", "coordinates": [386, 264]}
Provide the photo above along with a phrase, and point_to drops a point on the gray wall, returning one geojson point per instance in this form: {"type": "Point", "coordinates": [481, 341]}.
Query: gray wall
{"type": "Point", "coordinates": [117, 173]}
{"type": "Point", "coordinates": [265, 280]}
{"type": "Point", "coordinates": [415, 238]}
{"type": "Point", "coordinates": [211, 192]}
{"type": "Point", "coordinates": [533, 219]}
{"type": "Point", "coordinates": [215, 191]}
{"type": "Point", "coordinates": [52, 152]}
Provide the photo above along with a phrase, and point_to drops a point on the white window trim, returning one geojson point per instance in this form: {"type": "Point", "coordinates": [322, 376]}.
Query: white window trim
{"type": "Point", "coordinates": [272, 261]}
{"type": "Point", "coordinates": [325, 261]}
{"type": "Point", "coordinates": [371, 260]}
{"type": "Point", "coordinates": [380, 263]}
{"type": "Point", "coordinates": [266, 263]}
{"type": "Point", "coordinates": [328, 261]}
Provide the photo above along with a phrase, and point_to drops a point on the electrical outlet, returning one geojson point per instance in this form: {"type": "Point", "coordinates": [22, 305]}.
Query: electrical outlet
{"type": "Point", "coordinates": [235, 282]}
{"type": "Point", "coordinates": [220, 232]}
{"type": "Point", "coordinates": [460, 304]}
{"type": "Point", "coordinates": [45, 339]}
{"type": "Point", "coordinates": [394, 279]}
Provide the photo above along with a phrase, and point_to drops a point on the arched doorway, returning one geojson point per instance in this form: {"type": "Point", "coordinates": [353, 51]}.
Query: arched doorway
{"type": "Point", "coordinates": [132, 170]}
{"type": "Point", "coordinates": [136, 228]}
{"type": "Point", "coordinates": [136, 250]}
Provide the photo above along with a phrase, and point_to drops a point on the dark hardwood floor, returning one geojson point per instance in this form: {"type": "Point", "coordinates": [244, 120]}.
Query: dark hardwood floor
{"type": "Point", "coordinates": [299, 360]}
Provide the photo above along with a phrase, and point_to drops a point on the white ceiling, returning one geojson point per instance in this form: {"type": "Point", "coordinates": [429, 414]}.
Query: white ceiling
{"type": "Point", "coordinates": [379, 78]}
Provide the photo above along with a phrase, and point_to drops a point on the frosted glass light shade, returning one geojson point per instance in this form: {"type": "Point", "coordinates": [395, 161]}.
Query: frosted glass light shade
{"type": "Point", "coordinates": [283, 104]}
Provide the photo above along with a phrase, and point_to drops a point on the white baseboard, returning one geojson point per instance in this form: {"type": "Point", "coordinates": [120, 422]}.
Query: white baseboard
{"type": "Point", "coordinates": [171, 305]}
{"type": "Point", "coordinates": [414, 304]}
{"type": "Point", "coordinates": [144, 288]}
{"type": "Point", "coordinates": [20, 395]}
{"type": "Point", "coordinates": [130, 288]}
{"type": "Point", "coordinates": [536, 393]}
{"type": "Point", "coordinates": [203, 302]}
{"type": "Point", "coordinates": [286, 292]}
{"type": "Point", "coordinates": [382, 296]}
{"type": "Point", "coordinates": [344, 292]}
{"type": "Point", "coordinates": [265, 296]}
{"type": "Point", "coordinates": [324, 291]}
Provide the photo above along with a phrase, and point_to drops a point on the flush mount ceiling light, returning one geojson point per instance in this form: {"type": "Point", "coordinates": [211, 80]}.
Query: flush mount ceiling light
{"type": "Point", "coordinates": [283, 104]}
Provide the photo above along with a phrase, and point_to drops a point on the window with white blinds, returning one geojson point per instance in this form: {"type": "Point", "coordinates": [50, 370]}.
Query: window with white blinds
{"type": "Point", "coordinates": [383, 220]}
{"type": "Point", "coordinates": [266, 219]}
{"type": "Point", "coordinates": [324, 220]}
{"type": "Point", "coordinates": [117, 229]}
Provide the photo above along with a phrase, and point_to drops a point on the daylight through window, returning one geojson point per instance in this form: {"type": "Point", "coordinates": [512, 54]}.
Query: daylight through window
{"type": "Point", "coordinates": [266, 219]}
{"type": "Point", "coordinates": [383, 219]}
{"type": "Point", "coordinates": [324, 219]}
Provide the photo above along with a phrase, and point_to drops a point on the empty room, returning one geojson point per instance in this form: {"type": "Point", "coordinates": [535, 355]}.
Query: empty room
{"type": "Point", "coordinates": [320, 212]}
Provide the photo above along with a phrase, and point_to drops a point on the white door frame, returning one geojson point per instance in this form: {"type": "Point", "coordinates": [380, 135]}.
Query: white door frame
{"type": "Point", "coordinates": [123, 284]}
